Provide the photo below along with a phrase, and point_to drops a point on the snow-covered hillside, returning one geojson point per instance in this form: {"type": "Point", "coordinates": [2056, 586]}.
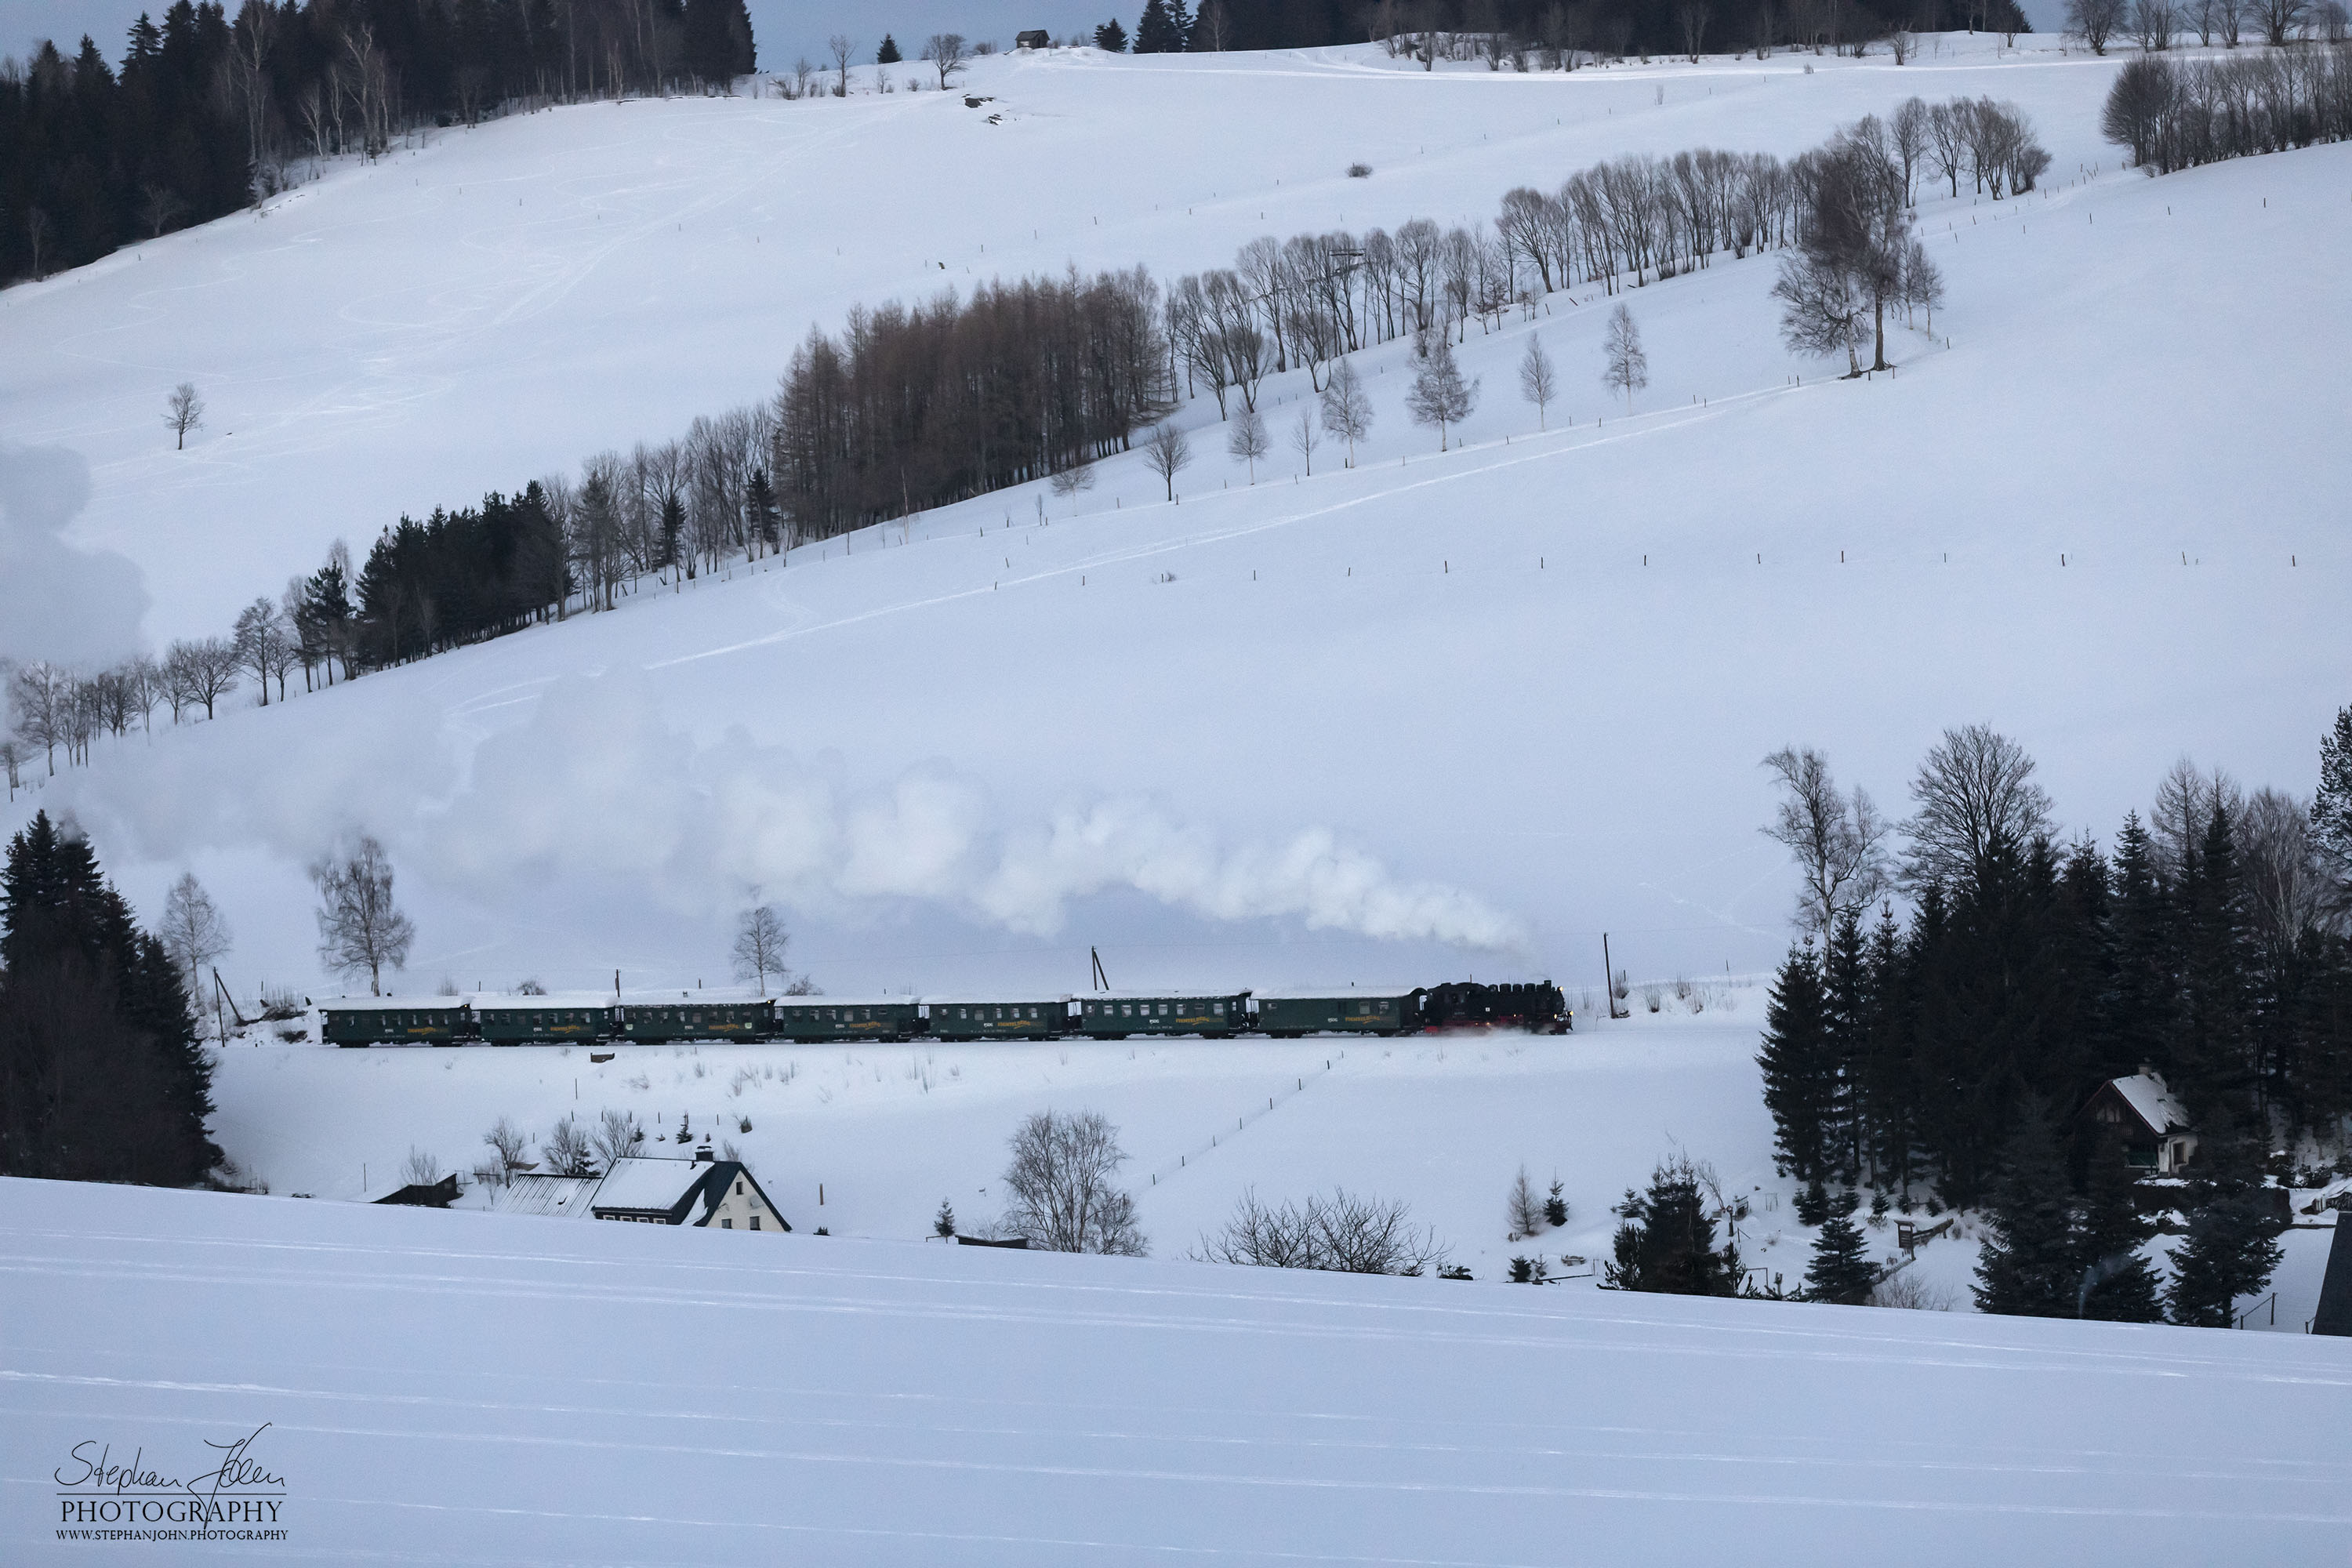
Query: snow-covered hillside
{"type": "Point", "coordinates": [459, 1387]}
{"type": "Point", "coordinates": [1435, 714]}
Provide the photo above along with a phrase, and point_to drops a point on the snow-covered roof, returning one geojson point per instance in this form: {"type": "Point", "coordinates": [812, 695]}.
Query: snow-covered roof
{"type": "Point", "coordinates": [560, 1197]}
{"type": "Point", "coordinates": [648, 1182]}
{"type": "Point", "coordinates": [1332, 993]}
{"type": "Point", "coordinates": [492, 1001]}
{"type": "Point", "coordinates": [1000, 999]}
{"type": "Point", "coordinates": [2158, 1106]}
{"type": "Point", "coordinates": [416, 1004]}
{"type": "Point", "coordinates": [901, 1000]}
{"type": "Point", "coordinates": [715, 996]}
{"type": "Point", "coordinates": [1172, 994]}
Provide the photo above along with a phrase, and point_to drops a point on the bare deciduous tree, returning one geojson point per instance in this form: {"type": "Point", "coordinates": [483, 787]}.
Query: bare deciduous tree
{"type": "Point", "coordinates": [1073, 482]}
{"type": "Point", "coordinates": [1304, 438]}
{"type": "Point", "coordinates": [2095, 21]}
{"type": "Point", "coordinates": [201, 670]}
{"type": "Point", "coordinates": [264, 641]}
{"type": "Point", "coordinates": [192, 930]}
{"type": "Point", "coordinates": [1347, 407]}
{"type": "Point", "coordinates": [1061, 1181]}
{"type": "Point", "coordinates": [359, 928]}
{"type": "Point", "coordinates": [183, 411]}
{"type": "Point", "coordinates": [1167, 452]}
{"type": "Point", "coordinates": [1625, 368]}
{"type": "Point", "coordinates": [423, 1168]}
{"type": "Point", "coordinates": [1439, 395]}
{"type": "Point", "coordinates": [760, 943]}
{"type": "Point", "coordinates": [1976, 795]}
{"type": "Point", "coordinates": [159, 208]}
{"type": "Point", "coordinates": [1839, 841]}
{"type": "Point", "coordinates": [1539, 383]}
{"type": "Point", "coordinates": [1343, 1233]}
{"type": "Point", "coordinates": [946, 53]}
{"type": "Point", "coordinates": [617, 1136]}
{"type": "Point", "coordinates": [566, 1150]}
{"type": "Point", "coordinates": [1246, 439]}
{"type": "Point", "coordinates": [841, 46]}
{"type": "Point", "coordinates": [509, 1141]}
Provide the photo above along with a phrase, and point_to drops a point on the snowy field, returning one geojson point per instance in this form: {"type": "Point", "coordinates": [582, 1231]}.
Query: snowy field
{"type": "Point", "coordinates": [461, 1388]}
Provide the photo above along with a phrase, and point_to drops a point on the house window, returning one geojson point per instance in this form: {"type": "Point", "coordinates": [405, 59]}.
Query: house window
{"type": "Point", "coordinates": [739, 1189]}
{"type": "Point", "coordinates": [755, 1222]}
{"type": "Point", "coordinates": [727, 1225]}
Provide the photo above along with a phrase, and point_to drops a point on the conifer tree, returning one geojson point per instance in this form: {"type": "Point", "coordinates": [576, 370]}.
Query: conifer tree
{"type": "Point", "coordinates": [2212, 933]}
{"type": "Point", "coordinates": [2119, 1284]}
{"type": "Point", "coordinates": [1846, 1009]}
{"type": "Point", "coordinates": [2331, 809]}
{"type": "Point", "coordinates": [101, 1076]}
{"type": "Point", "coordinates": [2232, 1248]}
{"type": "Point", "coordinates": [1840, 1270]}
{"type": "Point", "coordinates": [1800, 1077]}
{"type": "Point", "coordinates": [2028, 1265]}
{"type": "Point", "coordinates": [1157, 31]}
{"type": "Point", "coordinates": [888, 55]}
{"type": "Point", "coordinates": [1666, 1242]}
{"type": "Point", "coordinates": [1111, 37]}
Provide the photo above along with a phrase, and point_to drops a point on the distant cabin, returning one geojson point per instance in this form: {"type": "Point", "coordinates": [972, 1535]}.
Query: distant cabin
{"type": "Point", "coordinates": [1035, 38]}
{"type": "Point", "coordinates": [2148, 1120]}
{"type": "Point", "coordinates": [718, 1194]}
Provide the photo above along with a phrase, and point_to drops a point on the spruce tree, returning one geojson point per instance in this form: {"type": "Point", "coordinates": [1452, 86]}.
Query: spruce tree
{"type": "Point", "coordinates": [1156, 31]}
{"type": "Point", "coordinates": [2214, 952]}
{"type": "Point", "coordinates": [2117, 1282]}
{"type": "Point", "coordinates": [2028, 1265]}
{"type": "Point", "coordinates": [1665, 1243]}
{"type": "Point", "coordinates": [1111, 37]}
{"type": "Point", "coordinates": [2140, 1009]}
{"type": "Point", "coordinates": [1847, 1008]}
{"type": "Point", "coordinates": [1840, 1269]}
{"type": "Point", "coordinates": [2232, 1248]}
{"type": "Point", "coordinates": [2331, 809]}
{"type": "Point", "coordinates": [101, 1076]}
{"type": "Point", "coordinates": [888, 55]}
{"type": "Point", "coordinates": [1800, 1077]}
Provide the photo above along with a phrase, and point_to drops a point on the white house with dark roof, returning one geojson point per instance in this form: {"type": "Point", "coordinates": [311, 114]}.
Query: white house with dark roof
{"type": "Point", "coordinates": [2148, 1119]}
{"type": "Point", "coordinates": [719, 1194]}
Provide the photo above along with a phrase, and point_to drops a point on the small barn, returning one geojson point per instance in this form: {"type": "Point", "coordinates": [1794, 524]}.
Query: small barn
{"type": "Point", "coordinates": [704, 1191]}
{"type": "Point", "coordinates": [1034, 38]}
{"type": "Point", "coordinates": [2148, 1119]}
{"type": "Point", "coordinates": [438, 1195]}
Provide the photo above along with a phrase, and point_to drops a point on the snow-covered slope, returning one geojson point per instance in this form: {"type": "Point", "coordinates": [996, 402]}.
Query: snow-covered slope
{"type": "Point", "coordinates": [1499, 700]}
{"type": "Point", "coordinates": [459, 1387]}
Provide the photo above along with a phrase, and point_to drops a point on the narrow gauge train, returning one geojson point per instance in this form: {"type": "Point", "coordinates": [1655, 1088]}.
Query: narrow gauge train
{"type": "Point", "coordinates": [599, 1019]}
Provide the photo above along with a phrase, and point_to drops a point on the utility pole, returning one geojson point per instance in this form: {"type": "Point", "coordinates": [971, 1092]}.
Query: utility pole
{"type": "Point", "coordinates": [1609, 980]}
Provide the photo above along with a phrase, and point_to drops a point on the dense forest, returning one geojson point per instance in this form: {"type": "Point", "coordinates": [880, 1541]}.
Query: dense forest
{"type": "Point", "coordinates": [206, 113]}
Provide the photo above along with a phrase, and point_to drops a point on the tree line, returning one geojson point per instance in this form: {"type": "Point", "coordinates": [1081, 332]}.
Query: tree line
{"type": "Point", "coordinates": [2177, 114]}
{"type": "Point", "coordinates": [207, 113]}
{"type": "Point", "coordinates": [1943, 1058]}
{"type": "Point", "coordinates": [1550, 35]}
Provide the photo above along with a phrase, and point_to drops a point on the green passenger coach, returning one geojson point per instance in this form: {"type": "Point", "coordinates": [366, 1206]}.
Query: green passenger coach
{"type": "Point", "coordinates": [1038, 1019]}
{"type": "Point", "coordinates": [1116, 1018]}
{"type": "Point", "coordinates": [831, 1018]}
{"type": "Point", "coordinates": [1288, 1013]}
{"type": "Point", "coordinates": [535, 1023]}
{"type": "Point", "coordinates": [389, 1023]}
{"type": "Point", "coordinates": [690, 1020]}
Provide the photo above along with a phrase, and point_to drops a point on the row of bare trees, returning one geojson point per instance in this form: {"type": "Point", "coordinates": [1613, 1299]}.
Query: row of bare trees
{"type": "Point", "coordinates": [2157, 24]}
{"type": "Point", "coordinates": [2177, 114]}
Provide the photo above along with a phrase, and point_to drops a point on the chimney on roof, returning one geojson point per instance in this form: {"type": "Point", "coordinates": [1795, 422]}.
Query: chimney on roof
{"type": "Point", "coordinates": [703, 1156]}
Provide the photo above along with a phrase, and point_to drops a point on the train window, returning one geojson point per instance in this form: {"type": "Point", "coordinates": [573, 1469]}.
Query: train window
{"type": "Point", "coordinates": [1125, 1010]}
{"type": "Point", "coordinates": [1220, 1007]}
